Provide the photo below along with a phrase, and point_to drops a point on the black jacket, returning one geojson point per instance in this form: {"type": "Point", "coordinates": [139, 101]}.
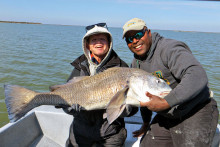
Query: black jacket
{"type": "Point", "coordinates": [81, 65]}
{"type": "Point", "coordinates": [91, 124]}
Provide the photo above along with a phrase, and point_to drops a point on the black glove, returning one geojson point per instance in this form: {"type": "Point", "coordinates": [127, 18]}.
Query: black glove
{"type": "Point", "coordinates": [72, 110]}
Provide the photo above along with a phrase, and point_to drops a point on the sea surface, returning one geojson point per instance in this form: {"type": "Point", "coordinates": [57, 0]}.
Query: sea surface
{"type": "Point", "coordinates": [36, 56]}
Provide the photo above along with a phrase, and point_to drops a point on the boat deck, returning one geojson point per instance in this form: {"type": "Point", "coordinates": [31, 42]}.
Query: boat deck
{"type": "Point", "coordinates": [48, 126]}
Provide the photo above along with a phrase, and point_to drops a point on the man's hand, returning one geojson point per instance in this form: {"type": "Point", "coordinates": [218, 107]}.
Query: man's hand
{"type": "Point", "coordinates": [155, 104]}
{"type": "Point", "coordinates": [141, 131]}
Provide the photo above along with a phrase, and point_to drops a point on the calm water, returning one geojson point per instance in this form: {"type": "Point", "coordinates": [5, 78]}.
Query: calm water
{"type": "Point", "coordinates": [36, 56]}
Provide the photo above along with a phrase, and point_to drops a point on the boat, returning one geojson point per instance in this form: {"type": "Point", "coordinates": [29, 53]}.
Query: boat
{"type": "Point", "coordinates": [47, 126]}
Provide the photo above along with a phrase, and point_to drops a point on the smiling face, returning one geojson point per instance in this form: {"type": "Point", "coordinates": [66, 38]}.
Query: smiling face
{"type": "Point", "coordinates": [98, 44]}
{"type": "Point", "coordinates": [139, 46]}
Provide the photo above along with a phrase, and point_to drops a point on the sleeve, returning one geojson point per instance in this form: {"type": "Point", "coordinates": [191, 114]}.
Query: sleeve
{"type": "Point", "coordinates": [129, 111]}
{"type": "Point", "coordinates": [185, 68]}
{"type": "Point", "coordinates": [146, 114]}
{"type": "Point", "coordinates": [75, 108]}
{"type": "Point", "coordinates": [123, 64]}
{"type": "Point", "coordinates": [75, 73]}
{"type": "Point", "coordinates": [133, 111]}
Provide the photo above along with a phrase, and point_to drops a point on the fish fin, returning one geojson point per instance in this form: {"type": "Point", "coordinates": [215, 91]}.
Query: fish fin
{"type": "Point", "coordinates": [55, 87]}
{"type": "Point", "coordinates": [117, 105]}
{"type": "Point", "coordinates": [77, 79]}
{"type": "Point", "coordinates": [104, 115]}
{"type": "Point", "coordinates": [72, 81]}
{"type": "Point", "coordinates": [17, 99]}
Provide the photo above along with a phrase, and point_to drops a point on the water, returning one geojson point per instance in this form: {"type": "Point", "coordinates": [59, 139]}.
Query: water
{"type": "Point", "coordinates": [36, 56]}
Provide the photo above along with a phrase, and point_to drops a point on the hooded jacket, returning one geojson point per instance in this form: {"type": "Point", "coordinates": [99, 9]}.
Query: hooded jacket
{"type": "Point", "coordinates": [174, 62]}
{"type": "Point", "coordinates": [91, 124]}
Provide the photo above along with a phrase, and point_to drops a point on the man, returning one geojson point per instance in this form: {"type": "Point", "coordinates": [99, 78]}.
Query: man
{"type": "Point", "coordinates": [187, 116]}
{"type": "Point", "coordinates": [89, 127]}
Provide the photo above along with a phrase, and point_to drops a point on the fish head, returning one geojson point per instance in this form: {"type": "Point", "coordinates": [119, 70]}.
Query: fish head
{"type": "Point", "coordinates": [156, 86]}
{"type": "Point", "coordinates": [149, 83]}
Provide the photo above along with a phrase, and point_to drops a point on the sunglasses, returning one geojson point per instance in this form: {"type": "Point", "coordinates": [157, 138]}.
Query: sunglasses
{"type": "Point", "coordinates": [139, 35]}
{"type": "Point", "coordinates": [98, 24]}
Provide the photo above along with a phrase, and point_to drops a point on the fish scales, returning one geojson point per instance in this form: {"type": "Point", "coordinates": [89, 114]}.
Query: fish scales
{"type": "Point", "coordinates": [109, 90]}
{"type": "Point", "coordinates": [88, 94]}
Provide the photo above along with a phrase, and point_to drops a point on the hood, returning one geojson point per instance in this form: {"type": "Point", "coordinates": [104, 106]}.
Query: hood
{"type": "Point", "coordinates": [96, 30]}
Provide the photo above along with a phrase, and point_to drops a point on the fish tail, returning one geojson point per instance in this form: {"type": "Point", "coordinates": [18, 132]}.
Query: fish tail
{"type": "Point", "coordinates": [17, 99]}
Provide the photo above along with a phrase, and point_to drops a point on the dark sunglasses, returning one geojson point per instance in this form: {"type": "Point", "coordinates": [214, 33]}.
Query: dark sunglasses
{"type": "Point", "coordinates": [139, 35]}
{"type": "Point", "coordinates": [98, 24]}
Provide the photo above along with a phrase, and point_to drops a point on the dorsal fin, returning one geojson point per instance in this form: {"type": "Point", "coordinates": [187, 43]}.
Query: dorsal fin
{"type": "Point", "coordinates": [72, 81]}
{"type": "Point", "coordinates": [77, 79]}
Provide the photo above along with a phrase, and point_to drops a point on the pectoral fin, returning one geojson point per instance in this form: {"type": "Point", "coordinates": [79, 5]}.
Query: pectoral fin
{"type": "Point", "coordinates": [117, 105]}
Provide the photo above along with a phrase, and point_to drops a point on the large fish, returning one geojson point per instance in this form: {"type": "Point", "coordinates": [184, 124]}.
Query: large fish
{"type": "Point", "coordinates": [111, 90]}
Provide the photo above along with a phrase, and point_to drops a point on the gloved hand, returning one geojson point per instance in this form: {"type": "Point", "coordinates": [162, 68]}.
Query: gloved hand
{"type": "Point", "coordinates": [72, 110]}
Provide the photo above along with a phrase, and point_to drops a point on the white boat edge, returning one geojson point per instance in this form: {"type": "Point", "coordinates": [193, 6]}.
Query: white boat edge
{"type": "Point", "coordinates": [48, 126]}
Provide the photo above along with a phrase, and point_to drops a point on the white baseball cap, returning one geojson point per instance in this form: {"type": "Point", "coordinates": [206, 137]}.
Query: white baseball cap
{"type": "Point", "coordinates": [133, 24]}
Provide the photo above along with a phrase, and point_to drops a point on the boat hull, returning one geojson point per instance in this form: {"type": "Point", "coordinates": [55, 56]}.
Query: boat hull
{"type": "Point", "coordinates": [48, 126]}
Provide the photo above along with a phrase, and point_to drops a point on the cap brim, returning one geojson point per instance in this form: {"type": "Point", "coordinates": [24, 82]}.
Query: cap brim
{"type": "Point", "coordinates": [136, 28]}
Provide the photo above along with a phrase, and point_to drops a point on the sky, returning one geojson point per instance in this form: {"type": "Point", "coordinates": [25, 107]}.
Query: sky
{"type": "Point", "coordinates": [181, 15]}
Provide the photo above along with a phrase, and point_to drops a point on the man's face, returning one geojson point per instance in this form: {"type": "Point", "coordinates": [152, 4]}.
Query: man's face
{"type": "Point", "coordinates": [140, 46]}
{"type": "Point", "coordinates": [98, 44]}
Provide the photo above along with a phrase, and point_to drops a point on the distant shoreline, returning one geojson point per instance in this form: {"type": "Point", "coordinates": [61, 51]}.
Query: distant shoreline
{"type": "Point", "coordinates": [112, 27]}
{"type": "Point", "coordinates": [20, 22]}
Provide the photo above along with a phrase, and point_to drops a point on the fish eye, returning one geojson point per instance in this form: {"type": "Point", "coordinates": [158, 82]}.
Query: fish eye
{"type": "Point", "coordinates": [157, 81]}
